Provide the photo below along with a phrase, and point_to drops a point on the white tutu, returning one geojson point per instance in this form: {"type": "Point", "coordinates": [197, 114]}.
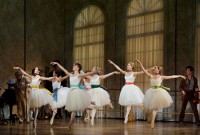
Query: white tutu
{"type": "Point", "coordinates": [61, 97]}
{"type": "Point", "coordinates": [39, 97]}
{"type": "Point", "coordinates": [155, 99]}
{"type": "Point", "coordinates": [131, 95]}
{"type": "Point", "coordinates": [99, 96]}
{"type": "Point", "coordinates": [77, 100]}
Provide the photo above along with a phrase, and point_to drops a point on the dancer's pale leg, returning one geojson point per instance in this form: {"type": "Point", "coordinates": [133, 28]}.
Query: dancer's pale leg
{"type": "Point", "coordinates": [128, 109]}
{"type": "Point", "coordinates": [94, 110]}
{"type": "Point", "coordinates": [35, 118]}
{"type": "Point", "coordinates": [53, 115]}
{"type": "Point", "coordinates": [71, 119]}
{"type": "Point", "coordinates": [153, 118]}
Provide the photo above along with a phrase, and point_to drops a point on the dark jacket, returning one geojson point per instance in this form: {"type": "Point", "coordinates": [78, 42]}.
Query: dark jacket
{"type": "Point", "coordinates": [183, 85]}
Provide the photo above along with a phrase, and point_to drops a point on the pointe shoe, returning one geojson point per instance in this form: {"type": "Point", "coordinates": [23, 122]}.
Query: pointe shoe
{"type": "Point", "coordinates": [126, 120]}
{"type": "Point", "coordinates": [111, 106]}
{"type": "Point", "coordinates": [34, 124]}
{"type": "Point", "coordinates": [152, 124]}
{"type": "Point", "coordinates": [51, 121]}
{"type": "Point", "coordinates": [92, 122]}
{"type": "Point", "coordinates": [31, 119]}
{"type": "Point", "coordinates": [20, 121]}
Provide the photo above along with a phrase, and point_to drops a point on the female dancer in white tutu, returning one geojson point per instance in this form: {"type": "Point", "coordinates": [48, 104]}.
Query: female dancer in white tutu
{"type": "Point", "coordinates": [77, 99]}
{"type": "Point", "coordinates": [130, 95]}
{"type": "Point", "coordinates": [59, 93]}
{"type": "Point", "coordinates": [157, 97]}
{"type": "Point", "coordinates": [100, 97]}
{"type": "Point", "coordinates": [38, 97]}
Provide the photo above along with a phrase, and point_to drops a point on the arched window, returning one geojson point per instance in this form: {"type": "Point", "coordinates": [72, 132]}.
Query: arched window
{"type": "Point", "coordinates": [144, 37]}
{"type": "Point", "coordinates": [88, 45]}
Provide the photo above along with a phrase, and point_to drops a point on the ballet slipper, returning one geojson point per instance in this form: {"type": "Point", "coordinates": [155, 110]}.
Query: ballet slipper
{"type": "Point", "coordinates": [92, 122]}
{"type": "Point", "coordinates": [111, 106]}
{"type": "Point", "coordinates": [152, 124]}
{"type": "Point", "coordinates": [126, 120]}
{"type": "Point", "coordinates": [51, 121]}
{"type": "Point", "coordinates": [34, 124]}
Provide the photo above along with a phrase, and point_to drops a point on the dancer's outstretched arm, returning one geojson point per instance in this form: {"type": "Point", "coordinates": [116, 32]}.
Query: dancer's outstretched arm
{"type": "Point", "coordinates": [173, 76]}
{"type": "Point", "coordinates": [117, 67]}
{"type": "Point", "coordinates": [107, 75]}
{"type": "Point", "coordinates": [63, 78]}
{"type": "Point", "coordinates": [87, 75]}
{"type": "Point", "coordinates": [62, 68]}
{"type": "Point", "coordinates": [47, 78]}
{"type": "Point", "coordinates": [23, 72]}
{"type": "Point", "coordinates": [144, 70]}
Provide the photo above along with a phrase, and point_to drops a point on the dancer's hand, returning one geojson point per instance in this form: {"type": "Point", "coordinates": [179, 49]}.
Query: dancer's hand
{"type": "Point", "coordinates": [16, 67]}
{"type": "Point", "coordinates": [116, 72]}
{"type": "Point", "coordinates": [138, 61]}
{"type": "Point", "coordinates": [183, 77]}
{"type": "Point", "coordinates": [54, 63]}
{"type": "Point", "coordinates": [110, 61]}
{"type": "Point", "coordinates": [183, 92]}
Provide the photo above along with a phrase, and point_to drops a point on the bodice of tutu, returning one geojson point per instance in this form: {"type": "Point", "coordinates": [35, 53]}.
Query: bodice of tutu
{"type": "Point", "coordinates": [35, 82]}
{"type": "Point", "coordinates": [87, 84]}
{"type": "Point", "coordinates": [129, 78]}
{"type": "Point", "coordinates": [95, 80]}
{"type": "Point", "coordinates": [156, 82]}
{"type": "Point", "coordinates": [74, 81]}
{"type": "Point", "coordinates": [56, 84]}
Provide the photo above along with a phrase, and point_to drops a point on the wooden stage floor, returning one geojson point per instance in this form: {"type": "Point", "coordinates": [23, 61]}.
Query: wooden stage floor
{"type": "Point", "coordinates": [101, 127]}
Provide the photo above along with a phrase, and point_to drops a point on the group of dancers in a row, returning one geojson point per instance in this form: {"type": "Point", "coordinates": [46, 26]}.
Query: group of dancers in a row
{"type": "Point", "coordinates": [93, 96]}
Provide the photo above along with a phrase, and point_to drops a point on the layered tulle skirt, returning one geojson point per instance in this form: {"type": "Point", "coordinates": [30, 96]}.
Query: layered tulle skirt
{"type": "Point", "coordinates": [77, 100]}
{"type": "Point", "coordinates": [155, 99]}
{"type": "Point", "coordinates": [99, 96]}
{"type": "Point", "coordinates": [39, 97]}
{"type": "Point", "coordinates": [131, 95]}
{"type": "Point", "coordinates": [61, 97]}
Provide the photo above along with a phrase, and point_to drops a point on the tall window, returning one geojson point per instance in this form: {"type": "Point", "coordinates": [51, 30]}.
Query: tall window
{"type": "Point", "coordinates": [144, 38]}
{"type": "Point", "coordinates": [88, 46]}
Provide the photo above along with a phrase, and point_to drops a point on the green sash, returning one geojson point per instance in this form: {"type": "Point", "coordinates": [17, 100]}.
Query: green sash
{"type": "Point", "coordinates": [161, 86]}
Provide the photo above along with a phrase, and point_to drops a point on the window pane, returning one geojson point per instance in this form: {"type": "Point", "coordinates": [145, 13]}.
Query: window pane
{"type": "Point", "coordinates": [89, 37]}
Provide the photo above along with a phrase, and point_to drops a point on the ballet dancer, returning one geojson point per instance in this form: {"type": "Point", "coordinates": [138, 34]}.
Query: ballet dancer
{"type": "Point", "coordinates": [77, 99]}
{"type": "Point", "coordinates": [38, 97]}
{"type": "Point", "coordinates": [100, 97]}
{"type": "Point", "coordinates": [131, 94]}
{"type": "Point", "coordinates": [157, 97]}
{"type": "Point", "coordinates": [59, 93]}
